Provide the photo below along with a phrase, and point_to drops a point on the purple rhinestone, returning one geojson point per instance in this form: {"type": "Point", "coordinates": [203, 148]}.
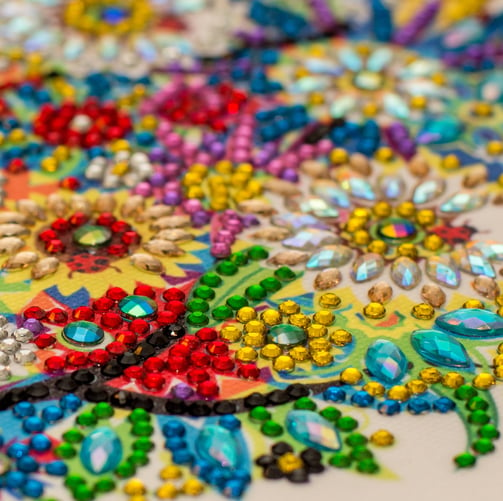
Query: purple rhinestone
{"type": "Point", "coordinates": [33, 325]}
{"type": "Point", "coordinates": [182, 390]}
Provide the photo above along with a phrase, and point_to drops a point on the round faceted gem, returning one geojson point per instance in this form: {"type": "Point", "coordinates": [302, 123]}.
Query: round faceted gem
{"type": "Point", "coordinates": [255, 292]}
{"type": "Point", "coordinates": [271, 284]}
{"type": "Point", "coordinates": [90, 235]}
{"type": "Point", "coordinates": [284, 363]}
{"type": "Point", "coordinates": [374, 310]}
{"type": "Point", "coordinates": [483, 446]}
{"type": "Point", "coordinates": [340, 460]}
{"type": "Point", "coordinates": [285, 274]}
{"type": "Point", "coordinates": [423, 311]}
{"type": "Point", "coordinates": [227, 268]}
{"type": "Point", "coordinates": [198, 305]}
{"type": "Point", "coordinates": [211, 280]}
{"type": "Point", "coordinates": [259, 414]}
{"type": "Point", "coordinates": [104, 485]}
{"type": "Point", "coordinates": [198, 318]}
{"type": "Point", "coordinates": [236, 302]}
{"type": "Point", "coordinates": [382, 438]}
{"type": "Point", "coordinates": [351, 375]}
{"type": "Point", "coordinates": [489, 431]}
{"type": "Point", "coordinates": [465, 460]}
{"type": "Point", "coordinates": [222, 313]}
{"type": "Point", "coordinates": [204, 292]}
{"type": "Point", "coordinates": [286, 335]}
{"type": "Point", "coordinates": [83, 313]}
{"type": "Point", "coordinates": [329, 300]}
{"type": "Point", "coordinates": [346, 423]}
{"type": "Point", "coordinates": [271, 429]}
{"type": "Point", "coordinates": [83, 333]}
{"type": "Point", "coordinates": [257, 253]}
{"type": "Point", "coordinates": [103, 304]}
{"type": "Point", "coordinates": [133, 307]}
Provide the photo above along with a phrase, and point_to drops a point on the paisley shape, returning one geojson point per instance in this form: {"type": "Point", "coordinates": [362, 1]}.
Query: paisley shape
{"type": "Point", "coordinates": [443, 271]}
{"type": "Point", "coordinates": [311, 429]}
{"type": "Point", "coordinates": [428, 190]}
{"type": "Point", "coordinates": [218, 446]}
{"type": "Point", "coordinates": [463, 201]}
{"type": "Point", "coordinates": [367, 267]}
{"type": "Point", "coordinates": [101, 451]}
{"type": "Point", "coordinates": [472, 322]}
{"type": "Point", "coordinates": [386, 361]}
{"type": "Point", "coordinates": [405, 273]}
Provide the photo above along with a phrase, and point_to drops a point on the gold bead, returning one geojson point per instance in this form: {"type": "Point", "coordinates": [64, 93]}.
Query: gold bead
{"type": "Point", "coordinates": [137, 497]}
{"type": "Point", "coordinates": [284, 363]}
{"type": "Point", "coordinates": [499, 349]}
{"type": "Point", "coordinates": [351, 375]}
{"type": "Point", "coordinates": [316, 98]}
{"type": "Point", "coordinates": [245, 168]}
{"type": "Point", "coordinates": [170, 472]}
{"type": "Point", "coordinates": [61, 153]}
{"type": "Point", "coordinates": [382, 209]}
{"type": "Point", "coordinates": [192, 487]}
{"type": "Point", "coordinates": [271, 317]}
{"type": "Point", "coordinates": [498, 371]}
{"type": "Point", "coordinates": [134, 487]}
{"type": "Point", "coordinates": [494, 147]}
{"type": "Point", "coordinates": [192, 179]}
{"type": "Point", "coordinates": [354, 224]}
{"type": "Point", "coordinates": [399, 392]}
{"type": "Point", "coordinates": [322, 358]}
{"type": "Point", "coordinates": [374, 310]}
{"type": "Point", "coordinates": [361, 213]}
{"type": "Point", "coordinates": [17, 135]}
{"type": "Point", "coordinates": [382, 438]}
{"type": "Point", "coordinates": [407, 250]}
{"type": "Point", "coordinates": [167, 491]}
{"type": "Point", "coordinates": [341, 337]}
{"type": "Point", "coordinates": [339, 156]}
{"type": "Point", "coordinates": [289, 307]}
{"type": "Point", "coordinates": [474, 303]}
{"type": "Point", "coordinates": [423, 311]}
{"type": "Point", "coordinates": [384, 154]}
{"type": "Point", "coordinates": [49, 164]}
{"type": "Point", "coordinates": [255, 326]}
{"type": "Point", "coordinates": [418, 102]}
{"type": "Point", "coordinates": [329, 300]}
{"type": "Point", "coordinates": [374, 388]}
{"type": "Point", "coordinates": [416, 386]}
{"type": "Point", "coordinates": [453, 380]}
{"type": "Point", "coordinates": [425, 217]}
{"type": "Point", "coordinates": [289, 462]}
{"type": "Point", "coordinates": [406, 209]}
{"type": "Point", "coordinates": [316, 331]}
{"type": "Point", "coordinates": [270, 351]}
{"type": "Point", "coordinates": [324, 317]}
{"type": "Point", "coordinates": [230, 333]}
{"type": "Point", "coordinates": [254, 339]}
{"type": "Point", "coordinates": [120, 168]}
{"type": "Point", "coordinates": [377, 247]}
{"type": "Point", "coordinates": [450, 162]}
{"type": "Point", "coordinates": [195, 192]}
{"type": "Point", "coordinates": [299, 320]}
{"type": "Point", "coordinates": [482, 109]}
{"type": "Point", "coordinates": [246, 354]}
{"type": "Point", "coordinates": [219, 203]}
{"type": "Point", "coordinates": [299, 353]}
{"type": "Point", "coordinates": [199, 169]}
{"type": "Point", "coordinates": [499, 300]}
{"type": "Point", "coordinates": [224, 167]}
{"type": "Point", "coordinates": [319, 344]}
{"type": "Point", "coordinates": [430, 375]}
{"type": "Point", "coordinates": [484, 381]}
{"type": "Point", "coordinates": [149, 122]}
{"type": "Point", "coordinates": [498, 360]}
{"type": "Point", "coordinates": [432, 242]}
{"type": "Point", "coordinates": [361, 237]}
{"type": "Point", "coordinates": [245, 314]}
{"type": "Point", "coordinates": [370, 109]}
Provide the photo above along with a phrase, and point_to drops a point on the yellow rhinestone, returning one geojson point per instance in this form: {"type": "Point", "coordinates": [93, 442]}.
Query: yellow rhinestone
{"type": "Point", "coordinates": [270, 351]}
{"type": "Point", "coordinates": [167, 491]}
{"type": "Point", "coordinates": [289, 307]}
{"type": "Point", "coordinates": [482, 109]}
{"type": "Point", "coordinates": [363, 49]}
{"type": "Point", "coordinates": [418, 102]}
{"type": "Point", "coordinates": [271, 317]}
{"type": "Point", "coordinates": [316, 330]}
{"type": "Point", "coordinates": [245, 168]}
{"type": "Point", "coordinates": [406, 209]}
{"type": "Point", "coordinates": [498, 360]}
{"type": "Point", "coordinates": [61, 153]}
{"type": "Point", "coordinates": [2, 138]}
{"type": "Point", "coordinates": [354, 224]}
{"type": "Point", "coordinates": [374, 388]}
{"type": "Point", "coordinates": [494, 147]}
{"type": "Point", "coordinates": [430, 375]}
{"type": "Point", "coordinates": [322, 358]}
{"type": "Point", "coordinates": [17, 135]}
{"type": "Point", "coordinates": [246, 354]}
{"type": "Point", "coordinates": [384, 154]}
{"type": "Point", "coordinates": [192, 179]}
{"type": "Point", "coordinates": [239, 180]}
{"type": "Point", "coordinates": [195, 192]}
{"type": "Point", "coordinates": [499, 349]}
{"type": "Point", "coordinates": [500, 180]}
{"type": "Point", "coordinates": [339, 156]}
{"type": "Point", "coordinates": [377, 247]}
{"type": "Point", "coordinates": [382, 438]}
{"type": "Point", "coordinates": [351, 375]}
{"type": "Point", "coordinates": [361, 213]}
{"type": "Point", "coordinates": [200, 169]}
{"type": "Point", "coordinates": [299, 320]}
{"type": "Point", "coordinates": [230, 333]}
{"type": "Point", "coordinates": [474, 303]}
{"type": "Point", "coordinates": [219, 203]}
{"type": "Point", "coordinates": [139, 90]}
{"type": "Point", "coordinates": [255, 326]}
{"type": "Point", "coordinates": [224, 167]}
{"type": "Point", "coordinates": [370, 109]}
{"type": "Point", "coordinates": [254, 339]}
{"type": "Point", "coordinates": [453, 380]}
{"type": "Point", "coordinates": [120, 168]}
{"type": "Point", "coordinates": [149, 122]}
{"type": "Point", "coordinates": [284, 363]}
{"type": "Point", "coordinates": [341, 337]}
{"type": "Point", "coordinates": [399, 392]}
{"type": "Point", "coordinates": [483, 381]}
{"type": "Point", "coordinates": [423, 311]}
{"type": "Point", "coordinates": [289, 462]}
{"type": "Point", "coordinates": [193, 487]}
{"type": "Point", "coordinates": [498, 371]}
{"type": "Point", "coordinates": [433, 242]}
{"type": "Point", "coordinates": [134, 487]}
{"type": "Point", "coordinates": [450, 162]}
{"type": "Point", "coordinates": [242, 195]}
{"type": "Point", "coordinates": [299, 353]}
{"type": "Point", "coordinates": [316, 98]}
{"type": "Point", "coordinates": [329, 300]}
{"type": "Point", "coordinates": [245, 314]}
{"type": "Point", "coordinates": [382, 209]}
{"type": "Point", "coordinates": [361, 237]}
{"type": "Point", "coordinates": [254, 187]}
{"type": "Point", "coordinates": [374, 310]}
{"type": "Point", "coordinates": [439, 78]}
{"type": "Point", "coordinates": [416, 386]}
{"type": "Point", "coordinates": [301, 72]}
{"type": "Point", "coordinates": [425, 217]}
{"type": "Point", "coordinates": [407, 250]}
{"type": "Point", "coordinates": [170, 472]}
{"type": "Point", "coordinates": [324, 317]}
{"type": "Point", "coordinates": [137, 497]}
{"type": "Point", "coordinates": [499, 300]}
{"type": "Point", "coordinates": [121, 144]}
{"type": "Point", "coordinates": [49, 164]}
{"type": "Point", "coordinates": [319, 344]}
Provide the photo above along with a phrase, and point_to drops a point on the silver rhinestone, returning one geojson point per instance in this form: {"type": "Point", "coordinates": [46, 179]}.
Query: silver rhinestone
{"type": "Point", "coordinates": [10, 328]}
{"type": "Point", "coordinates": [4, 334]}
{"type": "Point", "coordinates": [10, 345]}
{"type": "Point", "coordinates": [24, 356]}
{"type": "Point", "coordinates": [4, 358]}
{"type": "Point", "coordinates": [23, 335]}
{"type": "Point", "coordinates": [4, 373]}
{"type": "Point", "coordinates": [3, 321]}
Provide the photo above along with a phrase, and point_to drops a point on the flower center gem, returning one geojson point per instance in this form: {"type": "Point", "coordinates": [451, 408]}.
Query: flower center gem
{"type": "Point", "coordinates": [368, 80]}
{"type": "Point", "coordinates": [132, 307]}
{"type": "Point", "coordinates": [396, 229]}
{"type": "Point", "coordinates": [90, 235]}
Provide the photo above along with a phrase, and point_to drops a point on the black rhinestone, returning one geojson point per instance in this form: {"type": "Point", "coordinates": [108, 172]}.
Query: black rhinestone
{"type": "Point", "coordinates": [297, 390]}
{"type": "Point", "coordinates": [83, 376]}
{"type": "Point", "coordinates": [96, 394]}
{"type": "Point", "coordinates": [174, 331]}
{"type": "Point", "coordinates": [273, 472]}
{"type": "Point", "coordinates": [311, 456]}
{"type": "Point", "coordinates": [278, 397]}
{"type": "Point", "coordinates": [67, 384]}
{"type": "Point", "coordinates": [315, 468]}
{"type": "Point", "coordinates": [158, 340]}
{"type": "Point", "coordinates": [316, 134]}
{"type": "Point", "coordinates": [37, 391]}
{"type": "Point", "coordinates": [144, 350]}
{"type": "Point", "coordinates": [112, 369]}
{"type": "Point", "coordinates": [175, 406]}
{"type": "Point", "coordinates": [225, 407]}
{"type": "Point", "coordinates": [121, 399]}
{"type": "Point", "coordinates": [265, 460]}
{"type": "Point", "coordinates": [199, 408]}
{"type": "Point", "coordinates": [143, 402]}
{"type": "Point", "coordinates": [254, 400]}
{"type": "Point", "coordinates": [17, 395]}
{"type": "Point", "coordinates": [128, 359]}
{"type": "Point", "coordinates": [299, 476]}
{"type": "Point", "coordinates": [280, 448]}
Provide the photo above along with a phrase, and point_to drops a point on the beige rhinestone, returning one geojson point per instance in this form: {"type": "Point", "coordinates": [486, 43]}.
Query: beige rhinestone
{"type": "Point", "coordinates": [258, 207]}
{"type": "Point", "coordinates": [14, 217]}
{"type": "Point", "coordinates": [13, 230]}
{"type": "Point", "coordinates": [475, 177]}
{"type": "Point", "coordinates": [133, 205]}
{"type": "Point", "coordinates": [381, 292]}
{"type": "Point", "coordinates": [10, 245]}
{"type": "Point", "coordinates": [177, 235]}
{"type": "Point", "coordinates": [418, 166]}
{"type": "Point", "coordinates": [105, 203]}
{"type": "Point", "coordinates": [79, 203]}
{"type": "Point", "coordinates": [314, 169]}
{"type": "Point", "coordinates": [21, 260]}
{"type": "Point", "coordinates": [281, 187]}
{"type": "Point", "coordinates": [31, 208]}
{"type": "Point", "coordinates": [498, 199]}
{"type": "Point", "coordinates": [272, 233]}
{"type": "Point", "coordinates": [327, 279]}
{"type": "Point", "coordinates": [146, 262]}
{"type": "Point", "coordinates": [360, 163]}
{"type": "Point", "coordinates": [288, 257]}
{"type": "Point", "coordinates": [57, 204]}
{"type": "Point", "coordinates": [486, 286]}
{"type": "Point", "coordinates": [433, 295]}
{"type": "Point", "coordinates": [160, 247]}
{"type": "Point", "coordinates": [155, 212]}
{"type": "Point", "coordinates": [170, 222]}
{"type": "Point", "coordinates": [46, 266]}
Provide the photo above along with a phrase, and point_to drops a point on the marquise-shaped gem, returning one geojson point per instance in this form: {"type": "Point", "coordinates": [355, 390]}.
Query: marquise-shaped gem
{"type": "Point", "coordinates": [442, 270]}
{"type": "Point", "coordinates": [396, 106]}
{"type": "Point", "coordinates": [391, 187]}
{"type": "Point", "coordinates": [218, 446]}
{"type": "Point", "coordinates": [295, 221]}
{"type": "Point", "coordinates": [490, 249]}
{"type": "Point", "coordinates": [472, 261]}
{"type": "Point", "coordinates": [439, 348]}
{"type": "Point", "coordinates": [329, 257]}
{"type": "Point", "coordinates": [101, 451]}
{"type": "Point", "coordinates": [464, 201]}
{"type": "Point", "coordinates": [358, 187]}
{"type": "Point", "coordinates": [313, 430]}
{"type": "Point", "coordinates": [386, 361]}
{"type": "Point", "coordinates": [367, 267]}
{"type": "Point", "coordinates": [472, 322]}
{"type": "Point", "coordinates": [286, 335]}
{"type": "Point", "coordinates": [331, 193]}
{"type": "Point", "coordinates": [427, 191]}
{"type": "Point", "coordinates": [310, 239]}
{"type": "Point", "coordinates": [405, 273]}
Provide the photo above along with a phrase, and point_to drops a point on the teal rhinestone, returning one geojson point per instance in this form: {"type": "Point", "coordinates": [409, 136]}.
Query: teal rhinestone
{"type": "Point", "coordinates": [132, 307]}
{"type": "Point", "coordinates": [311, 429]}
{"type": "Point", "coordinates": [90, 235]}
{"type": "Point", "coordinates": [472, 322]}
{"type": "Point", "coordinates": [218, 446]}
{"type": "Point", "coordinates": [286, 335]}
{"type": "Point", "coordinates": [101, 451]}
{"type": "Point", "coordinates": [386, 361]}
{"type": "Point", "coordinates": [83, 333]}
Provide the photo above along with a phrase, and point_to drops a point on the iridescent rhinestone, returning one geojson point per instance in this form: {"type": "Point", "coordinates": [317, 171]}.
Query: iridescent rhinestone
{"type": "Point", "coordinates": [4, 334]}
{"type": "Point", "coordinates": [9, 345]}
{"type": "Point", "coordinates": [286, 335]}
{"type": "Point", "coordinates": [405, 273]}
{"type": "Point", "coordinates": [490, 250]}
{"type": "Point", "coordinates": [101, 451]}
{"type": "Point", "coordinates": [218, 446]}
{"type": "Point", "coordinates": [367, 267]}
{"type": "Point", "coordinates": [24, 356]}
{"type": "Point", "coordinates": [83, 333]}
{"type": "Point", "coordinates": [396, 230]}
{"type": "Point", "coordinates": [313, 430]}
{"type": "Point", "coordinates": [433, 295]}
{"type": "Point", "coordinates": [358, 187]}
{"type": "Point", "coordinates": [329, 257]}
{"type": "Point", "coordinates": [310, 240]}
{"type": "Point", "coordinates": [318, 207]}
{"type": "Point", "coordinates": [486, 286]}
{"type": "Point", "coordinates": [381, 292]}
{"type": "Point", "coordinates": [428, 190]}
{"type": "Point", "coordinates": [331, 193]}
{"type": "Point", "coordinates": [439, 348]}
{"type": "Point", "coordinates": [132, 307]}
{"type": "Point", "coordinates": [472, 322]}
{"type": "Point", "coordinates": [386, 361]}
{"type": "Point", "coordinates": [472, 261]}
{"type": "Point", "coordinates": [391, 187]}
{"type": "Point", "coordinates": [288, 257]}
{"type": "Point", "coordinates": [327, 279]}
{"type": "Point", "coordinates": [463, 201]}
{"type": "Point", "coordinates": [297, 222]}
{"type": "Point", "coordinates": [442, 270]}
{"type": "Point", "coordinates": [90, 235]}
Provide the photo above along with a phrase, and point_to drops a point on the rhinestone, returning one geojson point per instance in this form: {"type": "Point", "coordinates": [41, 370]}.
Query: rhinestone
{"type": "Point", "coordinates": [23, 335]}
{"type": "Point", "coordinates": [295, 222]}
{"type": "Point", "coordinates": [473, 262]}
{"type": "Point", "coordinates": [327, 279]}
{"type": "Point", "coordinates": [90, 235]}
{"type": "Point", "coordinates": [288, 257]}
{"type": "Point", "coordinates": [5, 464]}
{"type": "Point", "coordinates": [395, 230]}
{"type": "Point", "coordinates": [472, 322]}
{"type": "Point", "coordinates": [3, 321]}
{"type": "Point", "coordinates": [439, 348]}
{"type": "Point", "coordinates": [9, 345]}
{"type": "Point", "coordinates": [331, 193]}
{"type": "Point", "coordinates": [391, 187]}
{"type": "Point", "coordinates": [218, 446]}
{"type": "Point", "coordinates": [463, 202]}
{"type": "Point", "coordinates": [386, 361]}
{"type": "Point", "coordinates": [486, 286]}
{"type": "Point", "coordinates": [311, 429]}
{"type": "Point", "coordinates": [4, 373]}
{"type": "Point", "coordinates": [286, 335]}
{"type": "Point", "coordinates": [433, 295]}
{"type": "Point", "coordinates": [428, 191]}
{"type": "Point", "coordinates": [367, 267]}
{"type": "Point", "coordinates": [405, 273]}
{"type": "Point", "coordinates": [329, 257]}
{"type": "Point", "coordinates": [443, 271]}
{"type": "Point", "coordinates": [83, 333]}
{"type": "Point", "coordinates": [381, 292]}
{"type": "Point", "coordinates": [132, 307]}
{"type": "Point", "coordinates": [318, 207]}
{"type": "Point", "coordinates": [24, 356]}
{"type": "Point", "coordinates": [4, 358]}
{"type": "Point", "coordinates": [310, 240]}
{"type": "Point", "coordinates": [358, 187]}
{"type": "Point", "coordinates": [4, 334]}
{"type": "Point", "coordinates": [489, 249]}
{"type": "Point", "coordinates": [101, 451]}
{"type": "Point", "coordinates": [440, 130]}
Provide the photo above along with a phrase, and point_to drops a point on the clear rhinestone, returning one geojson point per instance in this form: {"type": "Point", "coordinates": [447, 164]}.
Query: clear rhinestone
{"type": "Point", "coordinates": [490, 250]}
{"type": "Point", "coordinates": [463, 201]}
{"type": "Point", "coordinates": [318, 207]}
{"type": "Point", "coordinates": [4, 373]}
{"type": "Point", "coordinates": [391, 187]}
{"type": "Point", "coordinates": [473, 262]}
{"type": "Point", "coordinates": [4, 358]}
{"type": "Point", "coordinates": [358, 187]}
{"type": "Point", "coordinates": [10, 345]}
{"type": "Point", "coordinates": [332, 193]}
{"type": "Point", "coordinates": [23, 335]}
{"type": "Point", "coordinates": [442, 270]}
{"type": "Point", "coordinates": [25, 356]}
{"type": "Point", "coordinates": [295, 222]}
{"type": "Point", "coordinates": [329, 257]}
{"type": "Point", "coordinates": [3, 321]}
{"type": "Point", "coordinates": [310, 239]}
{"type": "Point", "coordinates": [405, 273]}
{"type": "Point", "coordinates": [428, 191]}
{"type": "Point", "coordinates": [367, 267]}
{"type": "Point", "coordinates": [4, 334]}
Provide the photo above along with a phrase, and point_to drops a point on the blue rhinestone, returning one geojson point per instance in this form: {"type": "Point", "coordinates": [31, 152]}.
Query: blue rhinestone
{"type": "Point", "coordinates": [389, 408]}
{"type": "Point", "coordinates": [52, 413]}
{"type": "Point", "coordinates": [230, 422]}
{"type": "Point", "coordinates": [334, 394]}
{"type": "Point", "coordinates": [386, 361]}
{"type": "Point", "coordinates": [83, 333]}
{"type": "Point", "coordinates": [40, 443]}
{"type": "Point", "coordinates": [27, 464]}
{"type": "Point", "coordinates": [57, 468]}
{"type": "Point", "coordinates": [202, 468]}
{"type": "Point", "coordinates": [217, 445]}
{"type": "Point", "coordinates": [313, 430]}
{"type": "Point", "coordinates": [418, 406]}
{"type": "Point", "coordinates": [362, 399]}
{"type": "Point", "coordinates": [33, 488]}
{"type": "Point", "coordinates": [182, 456]}
{"type": "Point", "coordinates": [101, 451]}
{"type": "Point", "coordinates": [23, 409]}
{"type": "Point", "coordinates": [444, 404]}
{"type": "Point", "coordinates": [174, 443]}
{"type": "Point", "coordinates": [33, 424]}
{"type": "Point", "coordinates": [70, 402]}
{"type": "Point", "coordinates": [234, 488]}
{"type": "Point", "coordinates": [15, 479]}
{"type": "Point", "coordinates": [242, 474]}
{"type": "Point", "coordinates": [17, 450]}
{"type": "Point", "coordinates": [472, 322]}
{"type": "Point", "coordinates": [218, 477]}
{"type": "Point", "coordinates": [173, 429]}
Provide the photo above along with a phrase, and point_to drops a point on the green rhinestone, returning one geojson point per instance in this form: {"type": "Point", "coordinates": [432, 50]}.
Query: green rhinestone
{"type": "Point", "coordinates": [236, 302]}
{"type": "Point", "coordinates": [257, 253]}
{"type": "Point", "coordinates": [198, 305]}
{"type": "Point", "coordinates": [143, 444]}
{"type": "Point", "coordinates": [367, 466]}
{"type": "Point", "coordinates": [103, 410]}
{"type": "Point", "coordinates": [477, 403]}
{"type": "Point", "coordinates": [125, 470]}
{"type": "Point", "coordinates": [227, 268]}
{"type": "Point", "coordinates": [260, 414]}
{"type": "Point", "coordinates": [271, 429]}
{"type": "Point", "coordinates": [271, 284]}
{"type": "Point", "coordinates": [222, 312]}
{"type": "Point", "coordinates": [356, 439]}
{"type": "Point", "coordinates": [138, 415]}
{"type": "Point", "coordinates": [142, 429]}
{"type": "Point", "coordinates": [138, 458]}
{"type": "Point", "coordinates": [73, 436]}
{"type": "Point", "coordinates": [87, 419]}
{"type": "Point", "coordinates": [478, 417]}
{"type": "Point", "coordinates": [239, 258]}
{"type": "Point", "coordinates": [285, 274]}
{"type": "Point", "coordinates": [65, 451]}
{"type": "Point", "coordinates": [255, 292]}
{"type": "Point", "coordinates": [489, 431]}
{"type": "Point", "coordinates": [72, 481]}
{"type": "Point", "coordinates": [483, 446]}
{"type": "Point", "coordinates": [465, 460]}
{"type": "Point", "coordinates": [346, 423]}
{"type": "Point", "coordinates": [204, 292]}
{"type": "Point", "coordinates": [305, 403]}
{"type": "Point", "coordinates": [340, 460]}
{"type": "Point", "coordinates": [197, 318]}
{"type": "Point", "coordinates": [360, 452]}
{"type": "Point", "coordinates": [331, 413]}
{"type": "Point", "coordinates": [211, 279]}
{"type": "Point", "coordinates": [83, 493]}
{"type": "Point", "coordinates": [465, 392]}
{"type": "Point", "coordinates": [106, 484]}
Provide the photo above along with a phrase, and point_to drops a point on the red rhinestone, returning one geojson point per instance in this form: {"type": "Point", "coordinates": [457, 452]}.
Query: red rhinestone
{"type": "Point", "coordinates": [116, 348]}
{"type": "Point", "coordinates": [16, 165]}
{"type": "Point", "coordinates": [173, 294]}
{"type": "Point", "coordinates": [139, 326]}
{"type": "Point", "coordinates": [249, 371]}
{"type": "Point", "coordinates": [117, 250]}
{"type": "Point", "coordinates": [70, 183]}
{"type": "Point", "coordinates": [99, 357]}
{"type": "Point", "coordinates": [103, 304]}
{"type": "Point", "coordinates": [144, 290]}
{"type": "Point", "coordinates": [60, 224]}
{"type": "Point", "coordinates": [200, 359]}
{"type": "Point", "coordinates": [223, 363]}
{"type": "Point", "coordinates": [76, 358]}
{"type": "Point", "coordinates": [134, 372]}
{"type": "Point", "coordinates": [111, 320]}
{"type": "Point", "coordinates": [116, 293]}
{"type": "Point", "coordinates": [83, 313]}
{"type": "Point", "coordinates": [78, 219]}
{"type": "Point", "coordinates": [177, 364]}
{"type": "Point", "coordinates": [153, 364]}
{"type": "Point", "coordinates": [34, 312]}
{"type": "Point", "coordinates": [217, 348]}
{"type": "Point", "coordinates": [176, 307]}
{"type": "Point", "coordinates": [106, 219]}
{"type": "Point", "coordinates": [44, 341]}
{"type": "Point", "coordinates": [179, 350]}
{"type": "Point", "coordinates": [57, 316]}
{"type": "Point", "coordinates": [191, 342]}
{"type": "Point", "coordinates": [166, 317]}
{"type": "Point", "coordinates": [47, 235]}
{"type": "Point", "coordinates": [126, 337]}
{"type": "Point", "coordinates": [54, 246]}
{"type": "Point", "coordinates": [120, 226]}
{"type": "Point", "coordinates": [208, 389]}
{"type": "Point", "coordinates": [206, 334]}
{"type": "Point", "coordinates": [154, 382]}
{"type": "Point", "coordinates": [130, 238]}
{"type": "Point", "coordinates": [197, 376]}
{"type": "Point", "coordinates": [55, 364]}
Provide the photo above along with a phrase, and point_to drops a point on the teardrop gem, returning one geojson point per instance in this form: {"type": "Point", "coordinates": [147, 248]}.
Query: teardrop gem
{"type": "Point", "coordinates": [218, 446]}
{"type": "Point", "coordinates": [83, 333]}
{"type": "Point", "coordinates": [310, 240]}
{"type": "Point", "coordinates": [367, 267]}
{"type": "Point", "coordinates": [427, 191]}
{"type": "Point", "coordinates": [473, 262]}
{"type": "Point", "coordinates": [391, 187]}
{"type": "Point", "coordinates": [331, 193]}
{"type": "Point", "coordinates": [286, 335]}
{"type": "Point", "coordinates": [313, 430]}
{"type": "Point", "coordinates": [463, 201]}
{"type": "Point", "coordinates": [101, 451]}
{"type": "Point", "coordinates": [439, 348]}
{"type": "Point", "coordinates": [386, 361]}
{"type": "Point", "coordinates": [472, 322]}
{"type": "Point", "coordinates": [443, 271]}
{"type": "Point", "coordinates": [358, 187]}
{"type": "Point", "coordinates": [329, 257]}
{"type": "Point", "coordinates": [396, 230]}
{"type": "Point", "coordinates": [405, 273]}
{"type": "Point", "coordinates": [90, 235]}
